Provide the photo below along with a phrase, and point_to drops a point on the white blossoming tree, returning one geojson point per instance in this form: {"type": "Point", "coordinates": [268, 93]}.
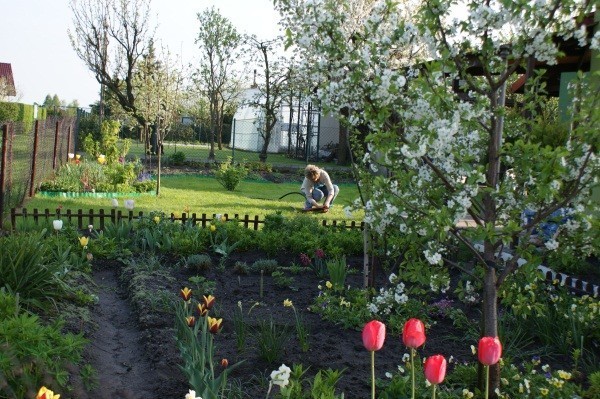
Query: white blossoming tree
{"type": "Point", "coordinates": [445, 155]}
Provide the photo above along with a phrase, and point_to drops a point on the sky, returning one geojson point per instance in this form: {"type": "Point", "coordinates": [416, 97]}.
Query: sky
{"type": "Point", "coordinates": [34, 40]}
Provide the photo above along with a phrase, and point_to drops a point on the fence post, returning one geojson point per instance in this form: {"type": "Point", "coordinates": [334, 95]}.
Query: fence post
{"type": "Point", "coordinates": [3, 171]}
{"type": "Point", "coordinates": [34, 157]}
{"type": "Point", "coordinates": [54, 160]}
{"type": "Point", "coordinates": [233, 143]}
{"type": "Point", "coordinates": [69, 141]}
{"type": "Point", "coordinates": [101, 216]}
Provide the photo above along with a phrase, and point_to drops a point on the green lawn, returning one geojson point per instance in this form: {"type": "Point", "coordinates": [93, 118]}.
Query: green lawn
{"type": "Point", "coordinates": [199, 152]}
{"type": "Point", "coordinates": [201, 194]}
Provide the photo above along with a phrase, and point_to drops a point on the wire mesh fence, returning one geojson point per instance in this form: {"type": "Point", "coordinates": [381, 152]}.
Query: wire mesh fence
{"type": "Point", "coordinates": [30, 152]}
{"type": "Point", "coordinates": [242, 141]}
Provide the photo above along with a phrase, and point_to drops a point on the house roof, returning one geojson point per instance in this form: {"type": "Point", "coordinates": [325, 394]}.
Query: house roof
{"type": "Point", "coordinates": [6, 74]}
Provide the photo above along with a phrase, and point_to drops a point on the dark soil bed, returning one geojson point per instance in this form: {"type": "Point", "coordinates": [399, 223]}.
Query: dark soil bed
{"type": "Point", "coordinates": [135, 353]}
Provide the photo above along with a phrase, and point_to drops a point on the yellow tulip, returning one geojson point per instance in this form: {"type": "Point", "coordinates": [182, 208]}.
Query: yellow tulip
{"type": "Point", "coordinates": [213, 227]}
{"type": "Point", "coordinates": [328, 284]}
{"type": "Point", "coordinates": [156, 219]}
{"type": "Point", "coordinates": [45, 393]}
{"type": "Point", "coordinates": [84, 241]}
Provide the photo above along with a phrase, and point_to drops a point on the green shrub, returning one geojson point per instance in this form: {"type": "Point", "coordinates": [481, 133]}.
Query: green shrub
{"type": "Point", "coordinates": [25, 270]}
{"type": "Point", "coordinates": [177, 158]}
{"type": "Point", "coordinates": [268, 266]}
{"type": "Point", "coordinates": [199, 262]}
{"type": "Point", "coordinates": [230, 175]}
{"type": "Point", "coordinates": [32, 355]}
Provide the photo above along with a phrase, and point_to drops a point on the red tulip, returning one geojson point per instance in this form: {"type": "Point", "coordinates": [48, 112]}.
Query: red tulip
{"type": "Point", "coordinates": [413, 334]}
{"type": "Point", "coordinates": [489, 350]}
{"type": "Point", "coordinates": [373, 335]}
{"type": "Point", "coordinates": [435, 369]}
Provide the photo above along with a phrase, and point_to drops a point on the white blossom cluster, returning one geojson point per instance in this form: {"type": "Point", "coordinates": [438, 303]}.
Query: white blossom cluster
{"type": "Point", "coordinates": [390, 298]}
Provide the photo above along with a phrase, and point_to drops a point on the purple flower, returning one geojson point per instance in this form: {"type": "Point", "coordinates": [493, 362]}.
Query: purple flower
{"type": "Point", "coordinates": [319, 253]}
{"type": "Point", "coordinates": [305, 259]}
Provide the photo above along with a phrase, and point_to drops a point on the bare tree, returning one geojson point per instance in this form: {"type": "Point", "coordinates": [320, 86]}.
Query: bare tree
{"type": "Point", "coordinates": [273, 87]}
{"type": "Point", "coordinates": [110, 37]}
{"type": "Point", "coordinates": [218, 40]}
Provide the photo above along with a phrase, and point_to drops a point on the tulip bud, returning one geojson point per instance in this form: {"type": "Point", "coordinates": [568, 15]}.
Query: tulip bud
{"type": "Point", "coordinates": [57, 224]}
{"type": "Point", "coordinates": [224, 363]}
{"type": "Point", "coordinates": [413, 334]}
{"type": "Point", "coordinates": [489, 350]}
{"type": "Point", "coordinates": [373, 335]}
{"type": "Point", "coordinates": [435, 369]}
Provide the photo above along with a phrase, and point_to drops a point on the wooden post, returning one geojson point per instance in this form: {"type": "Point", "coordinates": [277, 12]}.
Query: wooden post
{"type": "Point", "coordinates": [69, 142]}
{"type": "Point", "coordinates": [79, 218]}
{"type": "Point", "coordinates": [13, 219]}
{"type": "Point", "coordinates": [101, 216]}
{"type": "Point", "coordinates": [255, 222]}
{"type": "Point", "coordinates": [54, 157]}
{"type": "Point", "coordinates": [3, 172]}
{"type": "Point", "coordinates": [33, 158]}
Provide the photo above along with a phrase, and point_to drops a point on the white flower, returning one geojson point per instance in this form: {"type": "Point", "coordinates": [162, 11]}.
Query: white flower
{"type": "Point", "coordinates": [191, 395]}
{"type": "Point", "coordinates": [551, 245]}
{"type": "Point", "coordinates": [129, 204]}
{"type": "Point", "coordinates": [57, 224]}
{"type": "Point", "coordinates": [281, 377]}
{"type": "Point", "coordinates": [114, 202]}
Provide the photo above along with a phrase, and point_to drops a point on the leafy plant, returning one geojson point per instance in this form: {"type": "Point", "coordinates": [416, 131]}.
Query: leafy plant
{"type": "Point", "coordinates": [25, 269]}
{"type": "Point", "coordinates": [198, 262]}
{"type": "Point", "coordinates": [337, 270]}
{"type": "Point", "coordinates": [33, 353]}
{"type": "Point", "coordinates": [230, 175]}
{"type": "Point", "coordinates": [195, 339]}
{"type": "Point", "coordinates": [270, 340]}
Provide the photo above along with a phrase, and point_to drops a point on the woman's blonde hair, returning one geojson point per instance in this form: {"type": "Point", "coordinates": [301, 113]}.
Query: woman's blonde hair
{"type": "Point", "coordinates": [312, 171]}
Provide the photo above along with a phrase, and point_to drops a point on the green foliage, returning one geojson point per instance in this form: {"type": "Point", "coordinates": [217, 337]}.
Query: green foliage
{"type": "Point", "coordinates": [270, 340]}
{"type": "Point", "coordinates": [348, 310]}
{"type": "Point", "coordinates": [108, 145]}
{"type": "Point", "coordinates": [203, 285]}
{"type": "Point", "coordinates": [594, 390]}
{"type": "Point", "coordinates": [198, 262]}
{"type": "Point", "coordinates": [177, 158]}
{"type": "Point", "coordinates": [92, 176]}
{"type": "Point", "coordinates": [196, 345]}
{"type": "Point", "coordinates": [338, 271]}
{"type": "Point", "coordinates": [26, 270]}
{"type": "Point", "coordinates": [9, 111]}
{"type": "Point", "coordinates": [33, 354]}
{"type": "Point", "coordinates": [230, 175]}
{"type": "Point", "coordinates": [267, 266]}
{"type": "Point", "coordinates": [322, 386]}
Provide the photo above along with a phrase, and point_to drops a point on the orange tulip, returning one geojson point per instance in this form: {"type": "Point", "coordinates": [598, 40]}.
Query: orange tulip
{"type": "Point", "coordinates": [45, 393]}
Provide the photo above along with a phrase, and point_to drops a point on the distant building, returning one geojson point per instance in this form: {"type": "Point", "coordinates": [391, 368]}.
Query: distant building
{"type": "Point", "coordinates": [7, 77]}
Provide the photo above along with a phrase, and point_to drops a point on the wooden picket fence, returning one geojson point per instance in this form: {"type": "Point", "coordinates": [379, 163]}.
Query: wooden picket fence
{"type": "Point", "coordinates": [99, 219]}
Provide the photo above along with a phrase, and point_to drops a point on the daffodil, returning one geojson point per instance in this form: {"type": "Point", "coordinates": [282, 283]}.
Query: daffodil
{"type": "Point", "coordinates": [288, 303]}
{"type": "Point", "coordinates": [328, 284]}
{"type": "Point", "coordinates": [83, 240]}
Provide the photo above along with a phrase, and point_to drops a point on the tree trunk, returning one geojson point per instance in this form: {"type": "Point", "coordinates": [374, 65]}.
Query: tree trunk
{"type": "Point", "coordinates": [343, 150]}
{"type": "Point", "coordinates": [490, 320]}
